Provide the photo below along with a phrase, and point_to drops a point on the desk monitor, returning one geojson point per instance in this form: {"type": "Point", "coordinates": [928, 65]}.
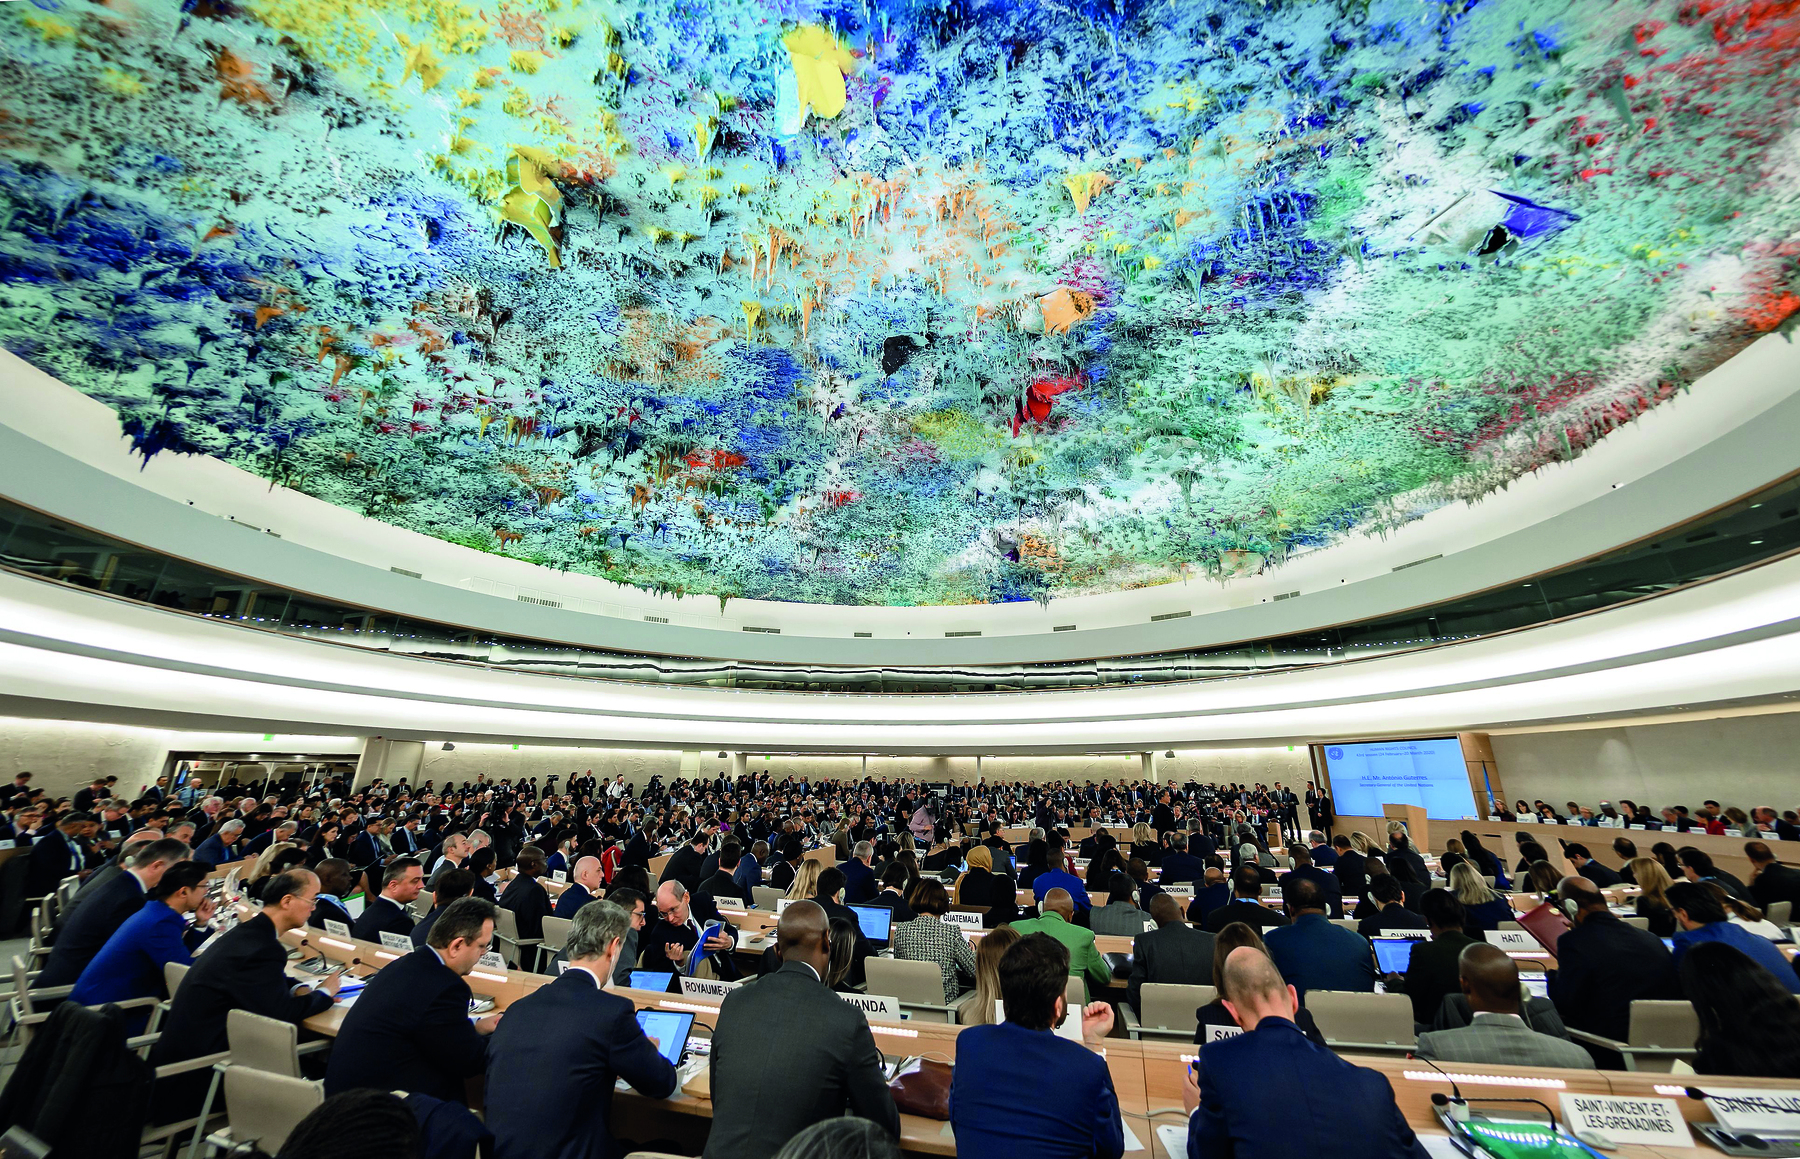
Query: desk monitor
{"type": "Point", "coordinates": [1537, 984]}
{"type": "Point", "coordinates": [877, 921]}
{"type": "Point", "coordinates": [657, 980]}
{"type": "Point", "coordinates": [1394, 955]}
{"type": "Point", "coordinates": [668, 1029]}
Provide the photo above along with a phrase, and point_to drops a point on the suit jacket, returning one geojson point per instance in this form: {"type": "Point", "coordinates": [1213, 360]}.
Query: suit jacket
{"type": "Point", "coordinates": [1390, 918]}
{"type": "Point", "coordinates": [82, 936]}
{"type": "Point", "coordinates": [216, 852]}
{"type": "Point", "coordinates": [1084, 960]}
{"type": "Point", "coordinates": [552, 1063]}
{"type": "Point", "coordinates": [722, 884]}
{"type": "Point", "coordinates": [859, 882]}
{"type": "Point", "coordinates": [362, 851]}
{"type": "Point", "coordinates": [1207, 898]}
{"type": "Point", "coordinates": [1254, 914]}
{"type": "Point", "coordinates": [530, 901]}
{"type": "Point", "coordinates": [571, 900]}
{"type": "Point", "coordinates": [1327, 882]}
{"type": "Point", "coordinates": [1018, 1093]}
{"type": "Point", "coordinates": [1120, 918]}
{"type": "Point", "coordinates": [51, 860]}
{"type": "Point", "coordinates": [1174, 953]}
{"type": "Point", "coordinates": [1180, 867]}
{"type": "Point", "coordinates": [130, 965]}
{"type": "Point", "coordinates": [893, 901]}
{"type": "Point", "coordinates": [1602, 964]}
{"type": "Point", "coordinates": [1599, 874]}
{"type": "Point", "coordinates": [789, 1053]}
{"type": "Point", "coordinates": [684, 866]}
{"type": "Point", "coordinates": [1351, 869]}
{"type": "Point", "coordinates": [1313, 954]}
{"type": "Point", "coordinates": [1433, 972]}
{"type": "Point", "coordinates": [326, 910]}
{"type": "Point", "coordinates": [409, 1030]}
{"type": "Point", "coordinates": [859, 956]}
{"type": "Point", "coordinates": [1775, 883]}
{"type": "Point", "coordinates": [381, 916]}
{"type": "Point", "coordinates": [1271, 1092]}
{"type": "Point", "coordinates": [1500, 1039]}
{"type": "Point", "coordinates": [422, 931]}
{"type": "Point", "coordinates": [246, 969]}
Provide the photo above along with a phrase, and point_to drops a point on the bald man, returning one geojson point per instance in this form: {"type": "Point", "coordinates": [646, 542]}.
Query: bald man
{"type": "Point", "coordinates": [788, 1052]}
{"type": "Point", "coordinates": [1057, 919]}
{"type": "Point", "coordinates": [584, 886]}
{"type": "Point", "coordinates": [1270, 1091]}
{"type": "Point", "coordinates": [1497, 1031]}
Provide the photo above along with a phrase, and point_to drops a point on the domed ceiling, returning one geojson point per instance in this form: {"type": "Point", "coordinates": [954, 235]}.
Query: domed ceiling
{"type": "Point", "coordinates": [882, 302]}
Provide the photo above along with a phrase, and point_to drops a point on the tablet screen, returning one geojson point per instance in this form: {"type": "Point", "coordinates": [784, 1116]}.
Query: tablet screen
{"type": "Point", "coordinates": [657, 980]}
{"type": "Point", "coordinates": [668, 1029]}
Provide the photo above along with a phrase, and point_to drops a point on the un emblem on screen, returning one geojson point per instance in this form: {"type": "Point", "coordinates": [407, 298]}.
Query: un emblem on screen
{"type": "Point", "coordinates": [1335, 753]}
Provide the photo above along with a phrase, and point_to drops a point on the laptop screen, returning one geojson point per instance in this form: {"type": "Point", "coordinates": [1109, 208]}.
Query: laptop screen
{"type": "Point", "coordinates": [1393, 955]}
{"type": "Point", "coordinates": [876, 921]}
{"type": "Point", "coordinates": [1537, 984]}
{"type": "Point", "coordinates": [668, 1029]}
{"type": "Point", "coordinates": [657, 980]}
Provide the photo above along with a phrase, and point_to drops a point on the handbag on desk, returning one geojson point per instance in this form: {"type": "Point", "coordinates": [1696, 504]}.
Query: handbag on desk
{"type": "Point", "coordinates": [921, 1086]}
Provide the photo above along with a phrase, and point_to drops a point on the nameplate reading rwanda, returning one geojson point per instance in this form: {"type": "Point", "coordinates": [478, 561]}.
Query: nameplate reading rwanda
{"type": "Point", "coordinates": [393, 941]}
{"type": "Point", "coordinates": [707, 987]}
{"type": "Point", "coordinates": [336, 929]}
{"type": "Point", "coordinates": [874, 1005]}
{"type": "Point", "coordinates": [1628, 1120]}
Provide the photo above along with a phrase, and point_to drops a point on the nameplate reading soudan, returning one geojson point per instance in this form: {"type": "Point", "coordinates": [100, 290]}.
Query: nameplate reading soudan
{"type": "Point", "coordinates": [874, 1005]}
{"type": "Point", "coordinates": [1186, 889]}
{"type": "Point", "coordinates": [1618, 1119]}
{"type": "Point", "coordinates": [707, 987]}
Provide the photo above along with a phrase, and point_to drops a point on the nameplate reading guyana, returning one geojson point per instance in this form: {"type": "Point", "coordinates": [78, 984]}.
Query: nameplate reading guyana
{"type": "Point", "coordinates": [707, 987]}
{"type": "Point", "coordinates": [1619, 1119]}
{"type": "Point", "coordinates": [874, 1005]}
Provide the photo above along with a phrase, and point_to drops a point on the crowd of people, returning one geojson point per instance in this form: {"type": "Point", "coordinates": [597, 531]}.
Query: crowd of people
{"type": "Point", "coordinates": [786, 1052]}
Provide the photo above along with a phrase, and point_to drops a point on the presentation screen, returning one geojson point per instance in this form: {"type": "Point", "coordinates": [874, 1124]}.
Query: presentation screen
{"type": "Point", "coordinates": [1428, 773]}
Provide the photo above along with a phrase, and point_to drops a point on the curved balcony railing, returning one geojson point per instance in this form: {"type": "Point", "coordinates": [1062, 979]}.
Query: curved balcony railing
{"type": "Point", "coordinates": [1757, 528]}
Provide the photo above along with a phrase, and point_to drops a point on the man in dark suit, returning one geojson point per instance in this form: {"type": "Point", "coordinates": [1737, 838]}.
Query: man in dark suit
{"type": "Point", "coordinates": [526, 896]}
{"type": "Point", "coordinates": [681, 917]}
{"type": "Point", "coordinates": [56, 855]}
{"type": "Point", "coordinates": [1173, 952]}
{"type": "Point", "coordinates": [859, 874]}
{"type": "Point", "coordinates": [1209, 895]}
{"type": "Point", "coordinates": [222, 847]}
{"type": "Point", "coordinates": [1178, 865]}
{"type": "Point", "coordinates": [1350, 867]}
{"type": "Point", "coordinates": [112, 904]}
{"type": "Point", "coordinates": [590, 1038]}
{"type": "Point", "coordinates": [246, 969]}
{"type": "Point", "coordinates": [1310, 952]}
{"type": "Point", "coordinates": [1261, 1090]}
{"type": "Point", "coordinates": [685, 863]}
{"type": "Point", "coordinates": [1586, 866]}
{"type": "Point", "coordinates": [789, 1053]}
{"type": "Point", "coordinates": [1246, 887]}
{"type": "Point", "coordinates": [1387, 910]}
{"type": "Point", "coordinates": [584, 886]}
{"type": "Point", "coordinates": [454, 884]}
{"type": "Point", "coordinates": [387, 913]}
{"type": "Point", "coordinates": [366, 851]}
{"type": "Point", "coordinates": [410, 1028]}
{"type": "Point", "coordinates": [90, 887]}
{"type": "Point", "coordinates": [1770, 881]}
{"type": "Point", "coordinates": [1603, 965]}
{"type": "Point", "coordinates": [1327, 883]}
{"type": "Point", "coordinates": [830, 895]}
{"type": "Point", "coordinates": [893, 883]}
{"type": "Point", "coordinates": [1433, 971]}
{"type": "Point", "coordinates": [334, 883]}
{"type": "Point", "coordinates": [723, 882]}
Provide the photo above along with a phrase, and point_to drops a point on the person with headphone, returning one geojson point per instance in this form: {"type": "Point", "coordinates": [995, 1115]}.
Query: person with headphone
{"type": "Point", "coordinates": [1603, 965]}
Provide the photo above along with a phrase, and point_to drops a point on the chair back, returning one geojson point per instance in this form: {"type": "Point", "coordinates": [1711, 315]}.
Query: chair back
{"type": "Point", "coordinates": [1508, 926]}
{"type": "Point", "coordinates": [1379, 1019]}
{"type": "Point", "coordinates": [1634, 920]}
{"type": "Point", "coordinates": [556, 932]}
{"type": "Point", "coordinates": [21, 986]}
{"type": "Point", "coordinates": [1167, 1006]}
{"type": "Point", "coordinates": [264, 1108]}
{"type": "Point", "coordinates": [1346, 923]}
{"type": "Point", "coordinates": [506, 925]}
{"type": "Point", "coordinates": [1672, 1025]}
{"type": "Point", "coordinates": [765, 896]}
{"type": "Point", "coordinates": [1780, 912]}
{"type": "Point", "coordinates": [260, 1043]}
{"type": "Point", "coordinates": [920, 983]}
{"type": "Point", "coordinates": [1075, 993]}
{"type": "Point", "coordinates": [173, 973]}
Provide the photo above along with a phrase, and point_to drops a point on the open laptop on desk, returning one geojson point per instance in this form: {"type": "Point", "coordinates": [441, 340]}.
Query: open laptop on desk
{"type": "Point", "coordinates": [657, 980]}
{"type": "Point", "coordinates": [876, 921]}
{"type": "Point", "coordinates": [1393, 955]}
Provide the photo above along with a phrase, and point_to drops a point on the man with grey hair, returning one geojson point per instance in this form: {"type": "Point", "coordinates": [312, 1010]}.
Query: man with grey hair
{"type": "Point", "coordinates": [83, 935]}
{"type": "Point", "coordinates": [221, 847]}
{"type": "Point", "coordinates": [280, 833]}
{"type": "Point", "coordinates": [859, 874]}
{"type": "Point", "coordinates": [593, 1038]}
{"type": "Point", "coordinates": [107, 872]}
{"type": "Point", "coordinates": [455, 849]}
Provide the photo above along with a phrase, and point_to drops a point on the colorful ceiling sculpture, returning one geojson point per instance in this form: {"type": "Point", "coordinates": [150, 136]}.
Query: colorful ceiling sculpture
{"type": "Point", "coordinates": [893, 301]}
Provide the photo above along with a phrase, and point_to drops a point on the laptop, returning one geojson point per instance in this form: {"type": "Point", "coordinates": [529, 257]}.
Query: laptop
{"type": "Point", "coordinates": [668, 1029]}
{"type": "Point", "coordinates": [657, 980]}
{"type": "Point", "coordinates": [1538, 985]}
{"type": "Point", "coordinates": [1393, 955]}
{"type": "Point", "coordinates": [877, 922]}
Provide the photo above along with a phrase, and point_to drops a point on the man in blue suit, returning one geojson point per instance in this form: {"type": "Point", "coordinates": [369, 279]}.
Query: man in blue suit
{"type": "Point", "coordinates": [1269, 1091]}
{"type": "Point", "coordinates": [1019, 1090]}
{"type": "Point", "coordinates": [1328, 883]}
{"type": "Point", "coordinates": [410, 1028]}
{"type": "Point", "coordinates": [131, 963]}
{"type": "Point", "coordinates": [113, 903]}
{"type": "Point", "coordinates": [221, 847]}
{"type": "Point", "coordinates": [584, 886]}
{"type": "Point", "coordinates": [1178, 865]}
{"type": "Point", "coordinates": [1313, 954]}
{"type": "Point", "coordinates": [589, 1036]}
{"type": "Point", "coordinates": [859, 875]}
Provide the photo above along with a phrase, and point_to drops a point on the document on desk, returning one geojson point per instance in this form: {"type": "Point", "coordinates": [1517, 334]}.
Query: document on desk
{"type": "Point", "coordinates": [1173, 1138]}
{"type": "Point", "coordinates": [1440, 1147]}
{"type": "Point", "coordinates": [1132, 1142]}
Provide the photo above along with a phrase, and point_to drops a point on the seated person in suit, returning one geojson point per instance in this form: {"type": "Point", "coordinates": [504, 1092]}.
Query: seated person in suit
{"type": "Point", "coordinates": [1270, 1091]}
{"type": "Point", "coordinates": [892, 895]}
{"type": "Point", "coordinates": [526, 896]}
{"type": "Point", "coordinates": [859, 874]}
{"type": "Point", "coordinates": [788, 1053]}
{"type": "Point", "coordinates": [1057, 919]}
{"type": "Point", "coordinates": [1496, 1033]}
{"type": "Point", "coordinates": [334, 875]}
{"type": "Point", "coordinates": [1350, 867]}
{"type": "Point", "coordinates": [1120, 916]}
{"type": "Point", "coordinates": [387, 913]}
{"type": "Point", "coordinates": [1214, 892]}
{"type": "Point", "coordinates": [1603, 965]}
{"type": "Point", "coordinates": [1313, 954]}
{"type": "Point", "coordinates": [222, 846]}
{"type": "Point", "coordinates": [632, 902]}
{"type": "Point", "coordinates": [1586, 866]}
{"type": "Point", "coordinates": [1387, 906]}
{"type": "Point", "coordinates": [1329, 889]}
{"type": "Point", "coordinates": [1701, 912]}
{"type": "Point", "coordinates": [829, 893]}
{"type": "Point", "coordinates": [553, 1059]}
{"type": "Point", "coordinates": [246, 969]}
{"type": "Point", "coordinates": [1174, 952]}
{"type": "Point", "coordinates": [1178, 865]}
{"type": "Point", "coordinates": [1433, 971]}
{"type": "Point", "coordinates": [81, 938]}
{"type": "Point", "coordinates": [1214, 1020]}
{"type": "Point", "coordinates": [457, 883]}
{"type": "Point", "coordinates": [410, 1028]}
{"type": "Point", "coordinates": [105, 873]}
{"type": "Point", "coordinates": [1056, 877]}
{"type": "Point", "coordinates": [667, 943]}
{"type": "Point", "coordinates": [131, 963]}
{"type": "Point", "coordinates": [1246, 887]}
{"type": "Point", "coordinates": [1019, 1090]}
{"type": "Point", "coordinates": [723, 882]}
{"type": "Point", "coordinates": [584, 886]}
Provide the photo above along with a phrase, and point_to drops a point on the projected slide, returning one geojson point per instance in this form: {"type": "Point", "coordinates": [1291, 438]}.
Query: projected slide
{"type": "Point", "coordinates": [1429, 773]}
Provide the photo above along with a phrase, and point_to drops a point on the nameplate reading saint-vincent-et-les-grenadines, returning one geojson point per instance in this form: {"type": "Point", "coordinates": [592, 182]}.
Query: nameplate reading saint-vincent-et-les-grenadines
{"type": "Point", "coordinates": [874, 1005]}
{"type": "Point", "coordinates": [1619, 1119]}
{"type": "Point", "coordinates": [707, 987]}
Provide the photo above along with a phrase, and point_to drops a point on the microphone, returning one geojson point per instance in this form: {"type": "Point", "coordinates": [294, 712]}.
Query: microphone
{"type": "Point", "coordinates": [1438, 1098]}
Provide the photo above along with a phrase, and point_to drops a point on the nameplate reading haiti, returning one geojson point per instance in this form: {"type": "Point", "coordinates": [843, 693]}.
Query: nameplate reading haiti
{"type": "Point", "coordinates": [959, 918]}
{"type": "Point", "coordinates": [492, 961]}
{"type": "Point", "coordinates": [1511, 939]}
{"type": "Point", "coordinates": [1616, 1119]}
{"type": "Point", "coordinates": [336, 929]}
{"type": "Point", "coordinates": [707, 987]}
{"type": "Point", "coordinates": [393, 941]}
{"type": "Point", "coordinates": [874, 1005]}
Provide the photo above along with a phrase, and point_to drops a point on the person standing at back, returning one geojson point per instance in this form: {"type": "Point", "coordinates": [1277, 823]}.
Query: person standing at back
{"type": "Point", "coordinates": [1019, 1090]}
{"type": "Point", "coordinates": [554, 1057]}
{"type": "Point", "coordinates": [789, 1053]}
{"type": "Point", "coordinates": [1269, 1091]}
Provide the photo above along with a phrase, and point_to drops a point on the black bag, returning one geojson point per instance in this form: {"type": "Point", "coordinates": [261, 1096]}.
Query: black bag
{"type": "Point", "coordinates": [78, 1061]}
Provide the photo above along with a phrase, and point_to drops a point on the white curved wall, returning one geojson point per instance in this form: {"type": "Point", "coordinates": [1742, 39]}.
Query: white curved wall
{"type": "Point", "coordinates": [1733, 432]}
